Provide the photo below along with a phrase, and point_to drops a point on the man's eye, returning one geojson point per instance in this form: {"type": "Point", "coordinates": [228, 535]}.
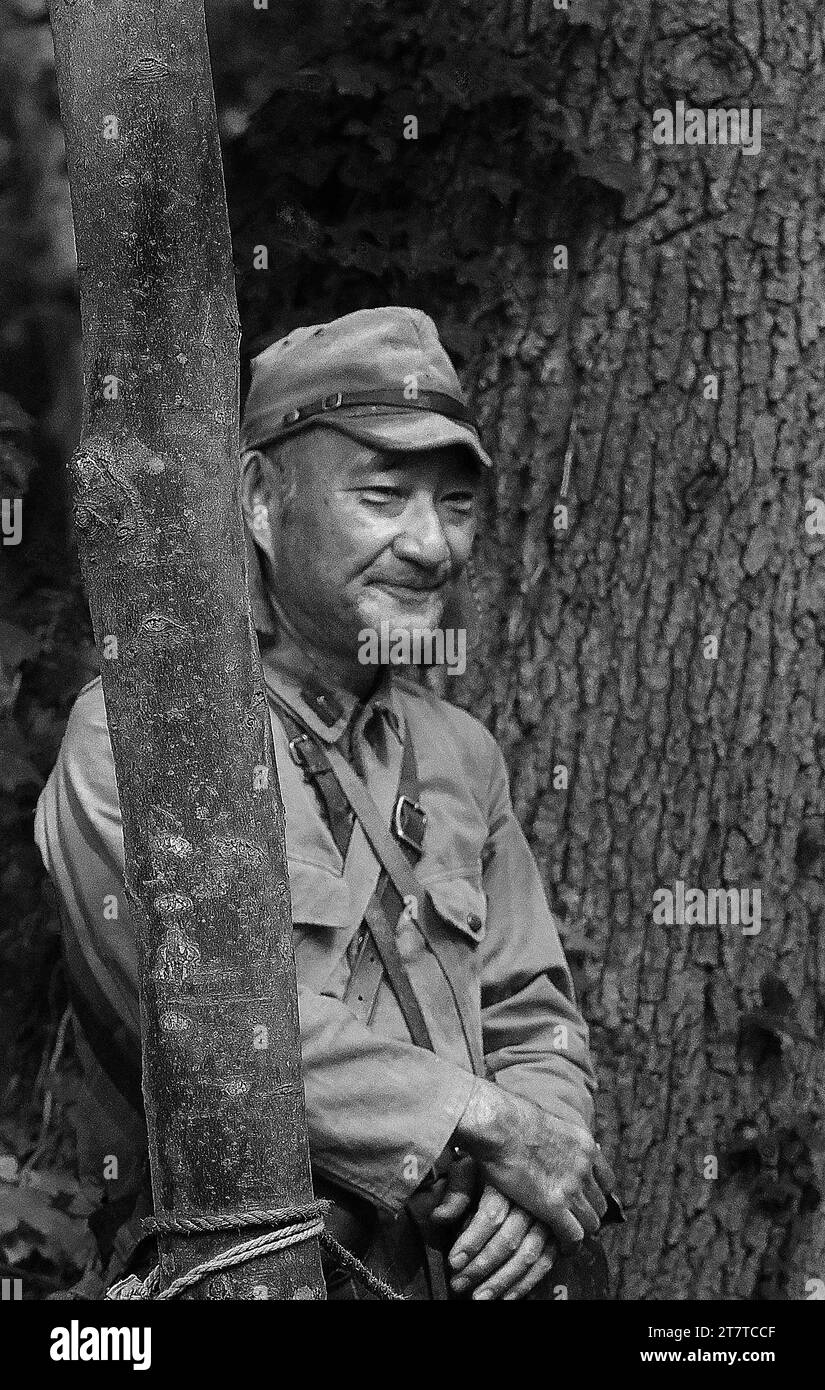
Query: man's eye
{"type": "Point", "coordinates": [459, 502]}
{"type": "Point", "coordinates": [379, 496]}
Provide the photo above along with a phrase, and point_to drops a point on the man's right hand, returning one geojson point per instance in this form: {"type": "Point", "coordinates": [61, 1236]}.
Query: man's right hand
{"type": "Point", "coordinates": [548, 1165]}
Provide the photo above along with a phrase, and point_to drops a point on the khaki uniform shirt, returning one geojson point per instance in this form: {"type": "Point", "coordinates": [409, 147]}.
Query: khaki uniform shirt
{"type": "Point", "coordinates": [380, 1110]}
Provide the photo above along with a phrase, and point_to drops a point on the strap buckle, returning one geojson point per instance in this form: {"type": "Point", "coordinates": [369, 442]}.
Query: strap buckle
{"type": "Point", "coordinates": [297, 757]}
{"type": "Point", "coordinates": [301, 750]}
{"type": "Point", "coordinates": [409, 822]}
{"type": "Point", "coordinates": [333, 401]}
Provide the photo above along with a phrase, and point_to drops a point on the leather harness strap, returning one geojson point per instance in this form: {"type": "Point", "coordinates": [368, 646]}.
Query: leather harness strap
{"type": "Point", "coordinates": [378, 922]}
{"type": "Point", "coordinates": [305, 751]}
{"type": "Point", "coordinates": [398, 890]}
{"type": "Point", "coordinates": [410, 893]}
{"type": "Point", "coordinates": [308, 752]}
{"type": "Point", "coordinates": [369, 965]}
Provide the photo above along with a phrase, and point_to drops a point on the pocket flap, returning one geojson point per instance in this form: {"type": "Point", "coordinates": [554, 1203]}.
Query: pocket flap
{"type": "Point", "coordinates": [319, 898]}
{"type": "Point", "coordinates": [463, 904]}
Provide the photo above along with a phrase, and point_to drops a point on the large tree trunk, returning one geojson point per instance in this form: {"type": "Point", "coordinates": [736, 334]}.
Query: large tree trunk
{"type": "Point", "coordinates": [686, 520]}
{"type": "Point", "coordinates": [159, 526]}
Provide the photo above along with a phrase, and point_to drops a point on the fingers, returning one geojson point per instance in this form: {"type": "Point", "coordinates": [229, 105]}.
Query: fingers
{"type": "Point", "coordinates": [493, 1210]}
{"type": "Point", "coordinates": [595, 1197]}
{"type": "Point", "coordinates": [588, 1197]}
{"type": "Point", "coordinates": [585, 1215]}
{"type": "Point", "coordinates": [565, 1228]}
{"type": "Point", "coordinates": [534, 1276]}
{"type": "Point", "coordinates": [520, 1267]}
{"type": "Point", "coordinates": [504, 1246]}
{"type": "Point", "coordinates": [573, 1197]}
{"type": "Point", "coordinates": [458, 1194]}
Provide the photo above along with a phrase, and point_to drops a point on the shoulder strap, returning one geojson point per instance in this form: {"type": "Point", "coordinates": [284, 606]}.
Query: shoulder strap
{"type": "Point", "coordinates": [379, 921]}
{"type": "Point", "coordinates": [385, 848]}
{"type": "Point", "coordinates": [308, 751]}
{"type": "Point", "coordinates": [303, 749]}
{"type": "Point", "coordinates": [398, 885]}
{"type": "Point", "coordinates": [400, 874]}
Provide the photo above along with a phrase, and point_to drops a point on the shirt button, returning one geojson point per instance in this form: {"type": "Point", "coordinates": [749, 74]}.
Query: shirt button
{"type": "Point", "coordinates": [473, 921]}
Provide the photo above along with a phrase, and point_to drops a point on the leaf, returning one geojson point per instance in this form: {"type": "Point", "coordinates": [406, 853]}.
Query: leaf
{"type": "Point", "coordinates": [54, 1183]}
{"type": "Point", "coordinates": [22, 1209]}
{"type": "Point", "coordinates": [9, 1168]}
{"type": "Point", "coordinates": [16, 1251]}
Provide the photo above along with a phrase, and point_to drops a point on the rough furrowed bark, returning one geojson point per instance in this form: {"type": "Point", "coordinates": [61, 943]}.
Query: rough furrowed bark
{"type": "Point", "coordinates": [159, 529]}
{"type": "Point", "coordinates": [679, 363]}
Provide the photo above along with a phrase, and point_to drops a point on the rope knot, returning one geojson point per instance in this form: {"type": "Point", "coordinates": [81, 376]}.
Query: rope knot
{"type": "Point", "coordinates": [286, 1226]}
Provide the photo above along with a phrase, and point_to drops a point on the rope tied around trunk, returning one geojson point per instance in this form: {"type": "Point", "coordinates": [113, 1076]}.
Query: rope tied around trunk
{"type": "Point", "coordinates": [288, 1226]}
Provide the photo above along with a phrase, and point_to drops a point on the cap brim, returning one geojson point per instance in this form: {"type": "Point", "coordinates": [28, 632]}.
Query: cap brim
{"type": "Point", "coordinates": [404, 430]}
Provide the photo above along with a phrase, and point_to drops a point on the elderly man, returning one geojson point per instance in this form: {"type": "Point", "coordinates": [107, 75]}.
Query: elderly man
{"type": "Point", "coordinates": [446, 1067]}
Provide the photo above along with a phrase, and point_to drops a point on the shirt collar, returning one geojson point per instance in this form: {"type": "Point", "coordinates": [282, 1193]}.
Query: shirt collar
{"type": "Point", "coordinates": [323, 705]}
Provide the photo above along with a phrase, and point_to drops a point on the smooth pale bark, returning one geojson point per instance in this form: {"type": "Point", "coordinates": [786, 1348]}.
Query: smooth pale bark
{"type": "Point", "coordinates": [687, 519]}
{"type": "Point", "coordinates": [159, 531]}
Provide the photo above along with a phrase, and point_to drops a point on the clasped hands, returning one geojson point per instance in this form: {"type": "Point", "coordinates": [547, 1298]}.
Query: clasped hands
{"type": "Point", "coordinates": [502, 1251]}
{"type": "Point", "coordinates": [544, 1185]}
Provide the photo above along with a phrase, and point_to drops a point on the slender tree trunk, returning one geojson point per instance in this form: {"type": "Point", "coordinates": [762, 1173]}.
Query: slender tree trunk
{"type": "Point", "coordinates": [159, 528]}
{"type": "Point", "coordinates": [678, 365]}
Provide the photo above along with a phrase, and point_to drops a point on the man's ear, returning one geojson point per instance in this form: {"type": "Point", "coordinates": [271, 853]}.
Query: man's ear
{"type": "Point", "coordinates": [255, 495]}
{"type": "Point", "coordinates": [256, 534]}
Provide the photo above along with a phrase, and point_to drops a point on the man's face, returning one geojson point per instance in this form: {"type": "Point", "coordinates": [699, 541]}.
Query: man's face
{"type": "Point", "coordinates": [370, 537]}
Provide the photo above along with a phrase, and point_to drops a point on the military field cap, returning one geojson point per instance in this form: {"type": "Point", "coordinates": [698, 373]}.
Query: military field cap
{"type": "Point", "coordinates": [380, 376]}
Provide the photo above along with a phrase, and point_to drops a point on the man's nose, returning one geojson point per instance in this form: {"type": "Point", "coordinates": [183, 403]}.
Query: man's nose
{"type": "Point", "coordinates": [421, 539]}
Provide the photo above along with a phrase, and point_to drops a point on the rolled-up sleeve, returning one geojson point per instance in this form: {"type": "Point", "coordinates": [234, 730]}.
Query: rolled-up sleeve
{"type": "Point", "coordinates": [536, 1042]}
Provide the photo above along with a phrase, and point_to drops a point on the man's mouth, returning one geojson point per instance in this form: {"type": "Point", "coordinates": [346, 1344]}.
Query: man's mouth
{"type": "Point", "coordinates": [414, 592]}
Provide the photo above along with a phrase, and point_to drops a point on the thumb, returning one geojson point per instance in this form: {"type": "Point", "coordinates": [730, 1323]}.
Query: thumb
{"type": "Point", "coordinates": [461, 1182]}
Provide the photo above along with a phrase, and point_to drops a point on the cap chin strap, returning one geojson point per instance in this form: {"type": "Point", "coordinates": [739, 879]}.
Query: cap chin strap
{"type": "Point", "coordinates": [437, 401]}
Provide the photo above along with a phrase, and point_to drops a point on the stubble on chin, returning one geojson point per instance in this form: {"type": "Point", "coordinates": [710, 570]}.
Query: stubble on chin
{"type": "Point", "coordinates": [377, 609]}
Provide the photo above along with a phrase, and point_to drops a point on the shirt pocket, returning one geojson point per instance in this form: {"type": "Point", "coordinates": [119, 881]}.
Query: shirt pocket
{"type": "Point", "coordinates": [457, 922]}
{"type": "Point", "coordinates": [320, 896]}
{"type": "Point", "coordinates": [461, 906]}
